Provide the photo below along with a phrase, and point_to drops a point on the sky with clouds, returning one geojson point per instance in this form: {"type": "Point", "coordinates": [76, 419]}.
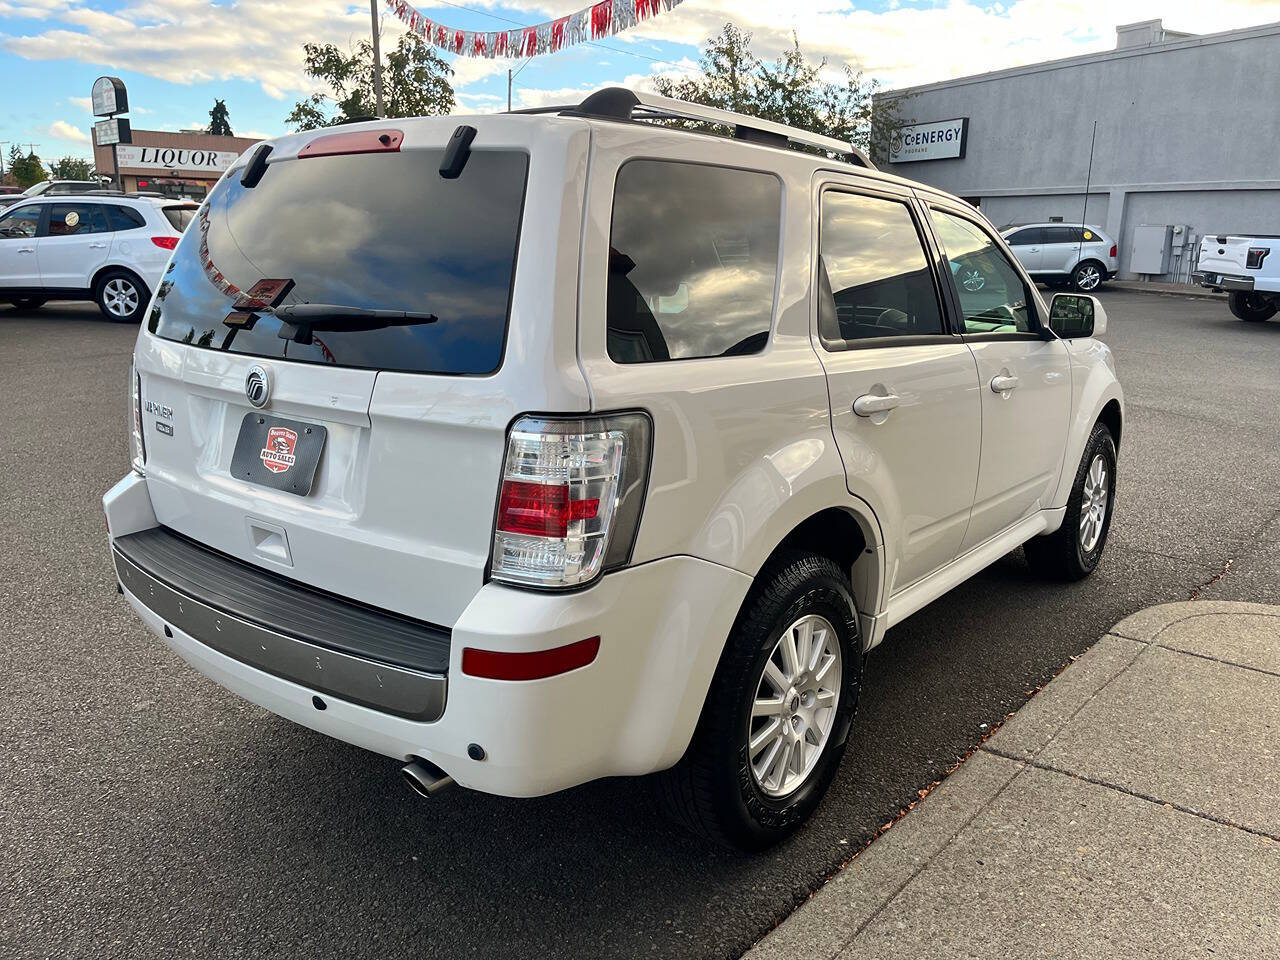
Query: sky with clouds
{"type": "Point", "coordinates": [176, 56]}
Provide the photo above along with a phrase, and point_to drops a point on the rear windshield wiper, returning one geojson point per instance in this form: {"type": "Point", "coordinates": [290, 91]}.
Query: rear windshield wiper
{"type": "Point", "coordinates": [300, 319]}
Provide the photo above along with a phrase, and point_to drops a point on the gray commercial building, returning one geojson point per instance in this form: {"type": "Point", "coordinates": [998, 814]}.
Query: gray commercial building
{"type": "Point", "coordinates": [1188, 137]}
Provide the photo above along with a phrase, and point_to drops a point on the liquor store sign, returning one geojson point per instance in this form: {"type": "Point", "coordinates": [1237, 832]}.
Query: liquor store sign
{"type": "Point", "coordinates": [175, 158]}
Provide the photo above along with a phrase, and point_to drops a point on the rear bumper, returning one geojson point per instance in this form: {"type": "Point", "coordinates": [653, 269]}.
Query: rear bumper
{"type": "Point", "coordinates": [1221, 281]}
{"type": "Point", "coordinates": [631, 711]}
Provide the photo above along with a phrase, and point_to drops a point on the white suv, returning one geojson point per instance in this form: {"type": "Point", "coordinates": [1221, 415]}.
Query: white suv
{"type": "Point", "coordinates": [557, 446]}
{"type": "Point", "coordinates": [110, 249]}
{"type": "Point", "coordinates": [1061, 255]}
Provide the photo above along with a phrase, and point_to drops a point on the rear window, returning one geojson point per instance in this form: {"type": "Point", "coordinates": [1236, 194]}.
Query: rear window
{"type": "Point", "coordinates": [381, 232]}
{"type": "Point", "coordinates": [180, 217]}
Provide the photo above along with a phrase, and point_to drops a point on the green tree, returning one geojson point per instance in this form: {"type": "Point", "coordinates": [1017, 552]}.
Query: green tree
{"type": "Point", "coordinates": [789, 90]}
{"type": "Point", "coordinates": [416, 83]}
{"type": "Point", "coordinates": [25, 170]}
{"type": "Point", "coordinates": [219, 121]}
{"type": "Point", "coordinates": [71, 168]}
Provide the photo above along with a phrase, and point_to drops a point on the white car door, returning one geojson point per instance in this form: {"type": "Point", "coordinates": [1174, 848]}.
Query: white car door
{"type": "Point", "coordinates": [19, 232]}
{"type": "Point", "coordinates": [904, 390]}
{"type": "Point", "coordinates": [74, 245]}
{"type": "Point", "coordinates": [1024, 373]}
{"type": "Point", "coordinates": [1026, 246]}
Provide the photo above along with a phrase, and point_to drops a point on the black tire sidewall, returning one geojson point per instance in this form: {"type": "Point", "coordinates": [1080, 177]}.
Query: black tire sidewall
{"type": "Point", "coordinates": [100, 296]}
{"type": "Point", "coordinates": [1242, 308]}
{"type": "Point", "coordinates": [1100, 442]}
{"type": "Point", "coordinates": [754, 819]}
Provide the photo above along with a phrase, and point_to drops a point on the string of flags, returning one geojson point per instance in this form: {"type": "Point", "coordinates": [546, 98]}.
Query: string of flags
{"type": "Point", "coordinates": [600, 20]}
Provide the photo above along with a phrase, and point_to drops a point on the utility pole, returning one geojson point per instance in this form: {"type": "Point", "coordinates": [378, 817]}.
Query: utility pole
{"type": "Point", "coordinates": [508, 89]}
{"type": "Point", "coordinates": [377, 57]}
{"type": "Point", "coordinates": [5, 143]}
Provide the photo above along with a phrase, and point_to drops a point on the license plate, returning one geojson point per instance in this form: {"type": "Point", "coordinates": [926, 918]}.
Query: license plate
{"type": "Point", "coordinates": [278, 453]}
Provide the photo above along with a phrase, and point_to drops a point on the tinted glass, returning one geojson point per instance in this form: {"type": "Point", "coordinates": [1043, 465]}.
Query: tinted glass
{"type": "Point", "coordinates": [76, 219]}
{"type": "Point", "coordinates": [379, 231]}
{"type": "Point", "coordinates": [1026, 238]}
{"type": "Point", "coordinates": [993, 297]}
{"type": "Point", "coordinates": [877, 280]}
{"type": "Point", "coordinates": [180, 217]}
{"type": "Point", "coordinates": [20, 224]}
{"type": "Point", "coordinates": [123, 218]}
{"type": "Point", "coordinates": [1061, 234]}
{"type": "Point", "coordinates": [693, 261]}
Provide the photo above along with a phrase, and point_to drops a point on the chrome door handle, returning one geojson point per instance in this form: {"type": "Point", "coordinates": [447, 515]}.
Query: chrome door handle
{"type": "Point", "coordinates": [26, 249]}
{"type": "Point", "coordinates": [1003, 383]}
{"type": "Point", "coordinates": [868, 405]}
{"type": "Point", "coordinates": [97, 246]}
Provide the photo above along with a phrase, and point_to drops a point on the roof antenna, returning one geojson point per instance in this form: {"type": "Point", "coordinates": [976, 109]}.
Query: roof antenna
{"type": "Point", "coordinates": [457, 152]}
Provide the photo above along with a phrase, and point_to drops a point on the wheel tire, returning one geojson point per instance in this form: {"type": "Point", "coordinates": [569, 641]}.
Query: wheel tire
{"type": "Point", "coordinates": [714, 790]}
{"type": "Point", "coordinates": [1251, 307]}
{"type": "Point", "coordinates": [1065, 554]}
{"type": "Point", "coordinates": [121, 296]}
{"type": "Point", "coordinates": [29, 303]}
{"type": "Point", "coordinates": [1087, 276]}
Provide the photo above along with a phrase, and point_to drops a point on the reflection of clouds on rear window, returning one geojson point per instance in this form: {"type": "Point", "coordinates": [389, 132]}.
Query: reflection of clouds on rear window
{"type": "Point", "coordinates": [703, 242]}
{"type": "Point", "coordinates": [383, 231]}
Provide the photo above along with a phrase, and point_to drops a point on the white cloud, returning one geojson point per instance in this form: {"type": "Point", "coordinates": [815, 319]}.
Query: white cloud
{"type": "Point", "coordinates": [61, 130]}
{"type": "Point", "coordinates": [84, 103]}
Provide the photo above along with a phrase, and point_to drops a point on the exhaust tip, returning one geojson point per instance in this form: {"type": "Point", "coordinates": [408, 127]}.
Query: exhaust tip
{"type": "Point", "coordinates": [425, 778]}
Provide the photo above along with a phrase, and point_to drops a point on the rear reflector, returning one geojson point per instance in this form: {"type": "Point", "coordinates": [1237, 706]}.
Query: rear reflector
{"type": "Point", "coordinates": [536, 665]}
{"type": "Point", "coordinates": [167, 243]}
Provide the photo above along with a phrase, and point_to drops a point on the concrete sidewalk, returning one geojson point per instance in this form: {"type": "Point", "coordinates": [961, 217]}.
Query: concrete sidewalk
{"type": "Point", "coordinates": [1130, 809]}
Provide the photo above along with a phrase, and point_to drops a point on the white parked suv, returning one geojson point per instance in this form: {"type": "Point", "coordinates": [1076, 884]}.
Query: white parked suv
{"type": "Point", "coordinates": [1062, 255]}
{"type": "Point", "coordinates": [108, 249]}
{"type": "Point", "coordinates": [533, 448]}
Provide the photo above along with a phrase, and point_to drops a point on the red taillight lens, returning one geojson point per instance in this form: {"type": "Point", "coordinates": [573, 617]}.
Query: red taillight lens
{"type": "Point", "coordinates": [1112, 252]}
{"type": "Point", "coordinates": [536, 665]}
{"type": "Point", "coordinates": [541, 509]}
{"type": "Point", "coordinates": [166, 243]}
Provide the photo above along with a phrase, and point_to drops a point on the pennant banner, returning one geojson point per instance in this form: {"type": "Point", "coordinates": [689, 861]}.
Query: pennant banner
{"type": "Point", "coordinates": [599, 20]}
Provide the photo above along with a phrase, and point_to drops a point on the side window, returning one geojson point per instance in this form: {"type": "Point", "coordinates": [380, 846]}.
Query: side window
{"type": "Point", "coordinates": [875, 279]}
{"type": "Point", "coordinates": [76, 219]}
{"type": "Point", "coordinates": [20, 224]}
{"type": "Point", "coordinates": [1061, 234]}
{"type": "Point", "coordinates": [1026, 238]}
{"type": "Point", "coordinates": [693, 261]}
{"type": "Point", "coordinates": [993, 297]}
{"type": "Point", "coordinates": [122, 218]}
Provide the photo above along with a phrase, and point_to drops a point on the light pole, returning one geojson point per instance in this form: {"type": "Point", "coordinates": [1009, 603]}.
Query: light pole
{"type": "Point", "coordinates": [377, 57]}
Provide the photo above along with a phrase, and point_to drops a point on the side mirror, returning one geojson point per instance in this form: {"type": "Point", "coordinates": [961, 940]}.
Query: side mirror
{"type": "Point", "coordinates": [1073, 316]}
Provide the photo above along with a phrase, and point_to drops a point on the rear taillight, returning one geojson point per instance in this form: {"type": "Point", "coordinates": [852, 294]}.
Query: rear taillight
{"type": "Point", "coordinates": [166, 243]}
{"type": "Point", "coordinates": [1112, 251]}
{"type": "Point", "coordinates": [1256, 255]}
{"type": "Point", "coordinates": [137, 447]}
{"type": "Point", "coordinates": [571, 496]}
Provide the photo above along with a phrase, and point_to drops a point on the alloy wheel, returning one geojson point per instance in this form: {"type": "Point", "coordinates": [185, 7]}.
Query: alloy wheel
{"type": "Point", "coordinates": [795, 703]}
{"type": "Point", "coordinates": [1093, 506]}
{"type": "Point", "coordinates": [120, 297]}
{"type": "Point", "coordinates": [1088, 277]}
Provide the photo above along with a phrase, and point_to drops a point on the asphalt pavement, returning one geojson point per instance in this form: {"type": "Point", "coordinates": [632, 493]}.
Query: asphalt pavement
{"type": "Point", "coordinates": [147, 812]}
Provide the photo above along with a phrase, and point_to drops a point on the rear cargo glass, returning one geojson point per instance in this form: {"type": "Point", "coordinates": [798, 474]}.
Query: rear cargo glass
{"type": "Point", "coordinates": [180, 217]}
{"type": "Point", "coordinates": [378, 232]}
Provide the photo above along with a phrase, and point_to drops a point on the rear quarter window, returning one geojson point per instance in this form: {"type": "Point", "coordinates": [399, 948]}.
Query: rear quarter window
{"type": "Point", "coordinates": [693, 261]}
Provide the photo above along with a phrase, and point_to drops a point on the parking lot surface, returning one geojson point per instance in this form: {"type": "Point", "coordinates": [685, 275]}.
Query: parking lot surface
{"type": "Point", "coordinates": [149, 813]}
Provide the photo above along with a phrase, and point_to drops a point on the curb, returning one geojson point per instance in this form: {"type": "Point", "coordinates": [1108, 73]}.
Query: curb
{"type": "Point", "coordinates": [838, 912]}
{"type": "Point", "coordinates": [1190, 293]}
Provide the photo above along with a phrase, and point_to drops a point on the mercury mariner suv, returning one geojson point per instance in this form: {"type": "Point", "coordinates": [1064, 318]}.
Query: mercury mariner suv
{"type": "Point", "coordinates": [548, 446]}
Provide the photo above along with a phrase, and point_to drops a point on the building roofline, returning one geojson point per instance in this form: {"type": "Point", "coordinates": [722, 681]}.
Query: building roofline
{"type": "Point", "coordinates": [1121, 53]}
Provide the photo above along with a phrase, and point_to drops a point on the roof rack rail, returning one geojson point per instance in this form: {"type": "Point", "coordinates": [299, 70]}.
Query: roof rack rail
{"type": "Point", "coordinates": [619, 103]}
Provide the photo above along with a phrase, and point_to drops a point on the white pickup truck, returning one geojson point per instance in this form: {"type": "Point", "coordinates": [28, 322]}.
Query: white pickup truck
{"type": "Point", "coordinates": [1245, 267]}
